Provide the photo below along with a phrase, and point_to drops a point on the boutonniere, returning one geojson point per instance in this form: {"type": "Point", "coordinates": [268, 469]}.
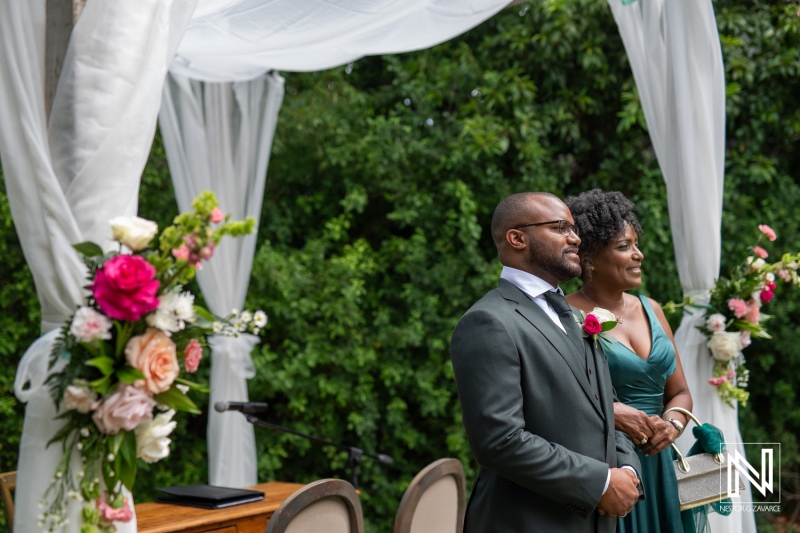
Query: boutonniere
{"type": "Point", "coordinates": [596, 322]}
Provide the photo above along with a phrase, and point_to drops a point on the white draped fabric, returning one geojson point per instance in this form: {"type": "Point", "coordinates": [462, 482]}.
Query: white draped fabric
{"type": "Point", "coordinates": [64, 182]}
{"type": "Point", "coordinates": [218, 137]}
{"type": "Point", "coordinates": [234, 40]}
{"type": "Point", "coordinates": [674, 51]}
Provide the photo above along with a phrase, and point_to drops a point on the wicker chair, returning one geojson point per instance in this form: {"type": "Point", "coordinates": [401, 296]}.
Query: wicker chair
{"type": "Point", "coordinates": [8, 481]}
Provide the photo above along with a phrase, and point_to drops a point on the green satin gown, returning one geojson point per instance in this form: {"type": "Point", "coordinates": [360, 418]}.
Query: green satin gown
{"type": "Point", "coordinates": [640, 384]}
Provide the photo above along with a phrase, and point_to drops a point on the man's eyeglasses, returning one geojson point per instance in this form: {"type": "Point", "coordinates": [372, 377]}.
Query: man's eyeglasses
{"type": "Point", "coordinates": [564, 227]}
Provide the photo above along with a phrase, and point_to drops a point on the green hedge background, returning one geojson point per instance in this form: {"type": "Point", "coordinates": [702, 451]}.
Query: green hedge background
{"type": "Point", "coordinates": [373, 239]}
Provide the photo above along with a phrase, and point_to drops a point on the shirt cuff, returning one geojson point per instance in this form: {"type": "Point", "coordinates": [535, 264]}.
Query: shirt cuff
{"type": "Point", "coordinates": [608, 480]}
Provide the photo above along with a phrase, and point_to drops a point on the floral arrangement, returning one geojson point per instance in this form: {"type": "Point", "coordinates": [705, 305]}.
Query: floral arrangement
{"type": "Point", "coordinates": [116, 366]}
{"type": "Point", "coordinates": [734, 316]}
{"type": "Point", "coordinates": [597, 322]}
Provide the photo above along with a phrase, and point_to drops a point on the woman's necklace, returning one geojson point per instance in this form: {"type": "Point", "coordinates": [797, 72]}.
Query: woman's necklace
{"type": "Point", "coordinates": [619, 318]}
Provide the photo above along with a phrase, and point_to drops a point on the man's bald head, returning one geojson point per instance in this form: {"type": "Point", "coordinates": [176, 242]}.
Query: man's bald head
{"type": "Point", "coordinates": [513, 210]}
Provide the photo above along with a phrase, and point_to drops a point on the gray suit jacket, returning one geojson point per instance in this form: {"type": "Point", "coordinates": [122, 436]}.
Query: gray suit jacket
{"type": "Point", "coordinates": [543, 441]}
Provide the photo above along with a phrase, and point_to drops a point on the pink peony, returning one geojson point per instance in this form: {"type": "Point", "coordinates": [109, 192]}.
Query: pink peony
{"type": "Point", "coordinates": [110, 514]}
{"type": "Point", "coordinates": [591, 325]}
{"type": "Point", "coordinates": [746, 341]}
{"type": "Point", "coordinates": [125, 288]}
{"type": "Point", "coordinates": [767, 295]}
{"type": "Point", "coordinates": [217, 216]}
{"type": "Point", "coordinates": [760, 252]}
{"type": "Point", "coordinates": [738, 307]}
{"type": "Point", "coordinates": [769, 232]}
{"type": "Point", "coordinates": [182, 252]}
{"type": "Point", "coordinates": [717, 381]}
{"type": "Point", "coordinates": [125, 409]}
{"type": "Point", "coordinates": [193, 352]}
{"type": "Point", "coordinates": [153, 354]}
{"type": "Point", "coordinates": [753, 312]}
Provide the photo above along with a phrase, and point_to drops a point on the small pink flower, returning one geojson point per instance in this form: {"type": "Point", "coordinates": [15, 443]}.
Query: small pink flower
{"type": "Point", "coordinates": [769, 232]}
{"type": "Point", "coordinates": [766, 296]}
{"type": "Point", "coordinates": [738, 307]}
{"type": "Point", "coordinates": [771, 286]}
{"type": "Point", "coordinates": [193, 352]}
{"type": "Point", "coordinates": [110, 514]}
{"type": "Point", "coordinates": [760, 252]}
{"type": "Point", "coordinates": [217, 216]}
{"type": "Point", "coordinates": [591, 325]}
{"type": "Point", "coordinates": [207, 251]}
{"type": "Point", "coordinates": [731, 374]}
{"type": "Point", "coordinates": [181, 252]}
{"type": "Point", "coordinates": [717, 381]}
{"type": "Point", "coordinates": [190, 241]}
{"type": "Point", "coordinates": [753, 312]}
{"type": "Point", "coordinates": [784, 274]}
{"type": "Point", "coordinates": [746, 341]}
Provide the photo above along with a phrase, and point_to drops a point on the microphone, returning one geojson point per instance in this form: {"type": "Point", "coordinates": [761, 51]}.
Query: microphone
{"type": "Point", "coordinates": [247, 408]}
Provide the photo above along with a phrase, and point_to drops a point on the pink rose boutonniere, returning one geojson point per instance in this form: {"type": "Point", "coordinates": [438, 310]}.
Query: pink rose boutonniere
{"type": "Point", "coordinates": [597, 322]}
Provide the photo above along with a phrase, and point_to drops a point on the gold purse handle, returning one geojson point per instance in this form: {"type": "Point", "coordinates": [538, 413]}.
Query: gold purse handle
{"type": "Point", "coordinates": [682, 464]}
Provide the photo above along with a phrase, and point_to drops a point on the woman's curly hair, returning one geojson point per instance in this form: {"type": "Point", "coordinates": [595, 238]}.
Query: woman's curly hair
{"type": "Point", "coordinates": [600, 216]}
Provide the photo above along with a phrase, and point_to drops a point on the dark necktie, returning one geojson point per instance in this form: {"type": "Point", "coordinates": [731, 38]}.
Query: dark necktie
{"type": "Point", "coordinates": [564, 311]}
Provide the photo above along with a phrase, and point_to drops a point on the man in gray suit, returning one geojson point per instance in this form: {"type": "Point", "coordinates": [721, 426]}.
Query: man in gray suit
{"type": "Point", "coordinates": [536, 396]}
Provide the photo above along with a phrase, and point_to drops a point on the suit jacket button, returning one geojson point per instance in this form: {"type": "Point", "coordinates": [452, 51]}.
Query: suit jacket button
{"type": "Point", "coordinates": [609, 434]}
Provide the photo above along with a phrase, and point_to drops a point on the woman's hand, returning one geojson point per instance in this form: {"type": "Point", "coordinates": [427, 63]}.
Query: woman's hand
{"type": "Point", "coordinates": [635, 423]}
{"type": "Point", "coordinates": [665, 434]}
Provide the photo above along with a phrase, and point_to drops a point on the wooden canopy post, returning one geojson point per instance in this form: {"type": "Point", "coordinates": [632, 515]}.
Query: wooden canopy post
{"type": "Point", "coordinates": [61, 16]}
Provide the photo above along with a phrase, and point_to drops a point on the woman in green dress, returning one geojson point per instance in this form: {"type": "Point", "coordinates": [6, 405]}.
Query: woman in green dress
{"type": "Point", "coordinates": [645, 367]}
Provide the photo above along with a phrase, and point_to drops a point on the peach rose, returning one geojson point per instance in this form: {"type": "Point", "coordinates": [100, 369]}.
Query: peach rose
{"type": "Point", "coordinates": [153, 354]}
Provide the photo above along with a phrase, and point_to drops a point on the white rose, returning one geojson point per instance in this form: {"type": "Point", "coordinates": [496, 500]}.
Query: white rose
{"type": "Point", "coordinates": [725, 345]}
{"type": "Point", "coordinates": [758, 264]}
{"type": "Point", "coordinates": [133, 232]}
{"type": "Point", "coordinates": [152, 438]}
{"type": "Point", "coordinates": [716, 322]}
{"type": "Point", "coordinates": [79, 398]}
{"type": "Point", "coordinates": [603, 315]}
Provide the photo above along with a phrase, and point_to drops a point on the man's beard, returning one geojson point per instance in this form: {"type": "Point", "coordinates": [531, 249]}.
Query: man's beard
{"type": "Point", "coordinates": [554, 263]}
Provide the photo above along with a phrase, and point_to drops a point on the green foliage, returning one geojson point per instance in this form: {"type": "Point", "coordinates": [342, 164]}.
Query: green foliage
{"type": "Point", "coordinates": [373, 239]}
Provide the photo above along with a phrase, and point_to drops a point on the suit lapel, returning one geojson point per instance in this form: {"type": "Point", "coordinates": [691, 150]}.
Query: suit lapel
{"type": "Point", "coordinates": [557, 338]}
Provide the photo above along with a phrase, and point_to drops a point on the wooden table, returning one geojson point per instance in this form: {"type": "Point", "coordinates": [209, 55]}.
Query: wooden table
{"type": "Point", "coordinates": [245, 518]}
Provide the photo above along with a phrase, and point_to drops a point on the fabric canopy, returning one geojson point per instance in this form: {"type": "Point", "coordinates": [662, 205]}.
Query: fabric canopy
{"type": "Point", "coordinates": [235, 40]}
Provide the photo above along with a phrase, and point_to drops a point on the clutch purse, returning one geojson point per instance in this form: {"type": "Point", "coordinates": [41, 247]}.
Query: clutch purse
{"type": "Point", "coordinates": [702, 478]}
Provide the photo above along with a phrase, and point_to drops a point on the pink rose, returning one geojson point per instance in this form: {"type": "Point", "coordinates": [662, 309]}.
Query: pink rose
{"type": "Point", "coordinates": [153, 354]}
{"type": "Point", "coordinates": [753, 312]}
{"type": "Point", "coordinates": [717, 381]}
{"type": "Point", "coordinates": [182, 252]}
{"type": "Point", "coordinates": [217, 216]}
{"type": "Point", "coordinates": [193, 352]}
{"type": "Point", "coordinates": [746, 341]}
{"type": "Point", "coordinates": [769, 232]}
{"type": "Point", "coordinates": [738, 307]}
{"type": "Point", "coordinates": [125, 288]}
{"type": "Point", "coordinates": [591, 325]}
{"type": "Point", "coordinates": [760, 252]}
{"type": "Point", "coordinates": [110, 514]}
{"type": "Point", "coordinates": [767, 295]}
{"type": "Point", "coordinates": [125, 409]}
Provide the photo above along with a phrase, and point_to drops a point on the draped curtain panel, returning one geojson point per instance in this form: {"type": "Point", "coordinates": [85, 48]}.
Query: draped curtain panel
{"type": "Point", "coordinates": [218, 137]}
{"type": "Point", "coordinates": [674, 50]}
{"type": "Point", "coordinates": [65, 181]}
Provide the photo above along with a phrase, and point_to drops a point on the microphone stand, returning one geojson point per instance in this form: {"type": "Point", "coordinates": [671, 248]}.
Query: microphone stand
{"type": "Point", "coordinates": [355, 454]}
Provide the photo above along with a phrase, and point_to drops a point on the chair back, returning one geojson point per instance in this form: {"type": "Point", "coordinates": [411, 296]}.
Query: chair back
{"type": "Point", "coordinates": [435, 500]}
{"type": "Point", "coordinates": [329, 505]}
{"type": "Point", "coordinates": [8, 481]}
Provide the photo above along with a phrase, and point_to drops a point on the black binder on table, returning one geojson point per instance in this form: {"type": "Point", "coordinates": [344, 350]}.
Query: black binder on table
{"type": "Point", "coordinates": [207, 496]}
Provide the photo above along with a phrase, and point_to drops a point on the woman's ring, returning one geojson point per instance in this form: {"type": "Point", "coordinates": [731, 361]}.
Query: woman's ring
{"type": "Point", "coordinates": [644, 441]}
